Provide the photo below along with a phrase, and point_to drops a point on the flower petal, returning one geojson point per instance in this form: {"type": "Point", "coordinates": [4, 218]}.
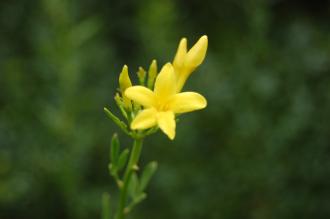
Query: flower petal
{"type": "Point", "coordinates": [166, 122]}
{"type": "Point", "coordinates": [145, 119]}
{"type": "Point", "coordinates": [141, 95]}
{"type": "Point", "coordinates": [187, 102]}
{"type": "Point", "coordinates": [165, 84]}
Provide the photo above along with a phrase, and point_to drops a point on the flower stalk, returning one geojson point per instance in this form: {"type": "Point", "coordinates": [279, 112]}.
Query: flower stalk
{"type": "Point", "coordinates": [130, 168]}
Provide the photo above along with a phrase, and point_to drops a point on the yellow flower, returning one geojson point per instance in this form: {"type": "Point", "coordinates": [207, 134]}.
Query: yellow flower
{"type": "Point", "coordinates": [161, 104]}
{"type": "Point", "coordinates": [186, 62]}
{"type": "Point", "coordinates": [124, 83]}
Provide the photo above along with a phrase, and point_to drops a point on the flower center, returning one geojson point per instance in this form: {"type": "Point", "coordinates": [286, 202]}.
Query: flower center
{"type": "Point", "coordinates": [163, 106]}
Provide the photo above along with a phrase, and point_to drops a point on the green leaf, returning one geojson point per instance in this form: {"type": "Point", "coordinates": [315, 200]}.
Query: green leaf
{"type": "Point", "coordinates": [133, 186]}
{"type": "Point", "coordinates": [114, 150]}
{"type": "Point", "coordinates": [148, 172]}
{"type": "Point", "coordinates": [106, 210]}
{"type": "Point", "coordinates": [140, 197]}
{"type": "Point", "coordinates": [122, 159]}
{"type": "Point", "coordinates": [116, 120]}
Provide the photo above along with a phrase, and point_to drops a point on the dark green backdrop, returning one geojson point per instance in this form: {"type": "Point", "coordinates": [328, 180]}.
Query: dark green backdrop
{"type": "Point", "coordinates": [261, 149]}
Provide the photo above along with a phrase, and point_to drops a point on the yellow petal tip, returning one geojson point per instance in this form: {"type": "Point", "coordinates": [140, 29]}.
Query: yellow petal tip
{"type": "Point", "coordinates": [183, 41]}
{"type": "Point", "coordinates": [204, 37]}
{"type": "Point", "coordinates": [171, 136]}
{"type": "Point", "coordinates": [204, 103]}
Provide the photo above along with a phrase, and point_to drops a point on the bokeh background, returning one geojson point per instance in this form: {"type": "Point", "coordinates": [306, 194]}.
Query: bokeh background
{"type": "Point", "coordinates": [261, 149]}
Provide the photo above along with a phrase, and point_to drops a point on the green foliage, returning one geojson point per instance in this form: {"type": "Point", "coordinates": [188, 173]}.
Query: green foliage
{"type": "Point", "coordinates": [115, 147]}
{"type": "Point", "coordinates": [148, 172]}
{"type": "Point", "coordinates": [122, 159]}
{"type": "Point", "coordinates": [260, 149]}
{"type": "Point", "coordinates": [116, 120]}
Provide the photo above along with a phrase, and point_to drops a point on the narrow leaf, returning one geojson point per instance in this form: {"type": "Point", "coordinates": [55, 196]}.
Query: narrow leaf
{"type": "Point", "coordinates": [114, 150]}
{"type": "Point", "coordinates": [116, 120]}
{"type": "Point", "coordinates": [148, 172]}
{"type": "Point", "coordinates": [122, 159]}
{"type": "Point", "coordinates": [106, 210]}
{"type": "Point", "coordinates": [133, 186]}
{"type": "Point", "coordinates": [139, 198]}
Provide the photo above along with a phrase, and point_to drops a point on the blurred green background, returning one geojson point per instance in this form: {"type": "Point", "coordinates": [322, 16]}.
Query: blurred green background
{"type": "Point", "coordinates": [260, 150]}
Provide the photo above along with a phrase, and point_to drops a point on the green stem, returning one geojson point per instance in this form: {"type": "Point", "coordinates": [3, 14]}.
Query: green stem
{"type": "Point", "coordinates": [130, 168]}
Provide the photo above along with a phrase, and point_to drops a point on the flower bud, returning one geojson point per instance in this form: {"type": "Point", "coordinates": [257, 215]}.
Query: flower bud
{"type": "Point", "coordinates": [124, 80]}
{"type": "Point", "coordinates": [141, 75]}
{"type": "Point", "coordinates": [124, 83]}
{"type": "Point", "coordinates": [186, 62]}
{"type": "Point", "coordinates": [152, 73]}
{"type": "Point", "coordinates": [196, 54]}
{"type": "Point", "coordinates": [180, 54]}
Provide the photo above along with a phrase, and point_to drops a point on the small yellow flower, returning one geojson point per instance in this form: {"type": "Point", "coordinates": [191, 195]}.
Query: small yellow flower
{"type": "Point", "coordinates": [186, 62]}
{"type": "Point", "coordinates": [124, 83]}
{"type": "Point", "coordinates": [161, 104]}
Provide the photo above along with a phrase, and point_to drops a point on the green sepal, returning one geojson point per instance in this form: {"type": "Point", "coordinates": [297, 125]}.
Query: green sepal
{"type": "Point", "coordinates": [120, 104]}
{"type": "Point", "coordinates": [152, 130]}
{"type": "Point", "coordinates": [136, 108]}
{"type": "Point", "coordinates": [148, 172]}
{"type": "Point", "coordinates": [141, 75]}
{"type": "Point", "coordinates": [122, 160]}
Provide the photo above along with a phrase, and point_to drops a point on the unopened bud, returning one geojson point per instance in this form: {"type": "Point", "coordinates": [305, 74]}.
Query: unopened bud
{"type": "Point", "coordinates": [197, 53]}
